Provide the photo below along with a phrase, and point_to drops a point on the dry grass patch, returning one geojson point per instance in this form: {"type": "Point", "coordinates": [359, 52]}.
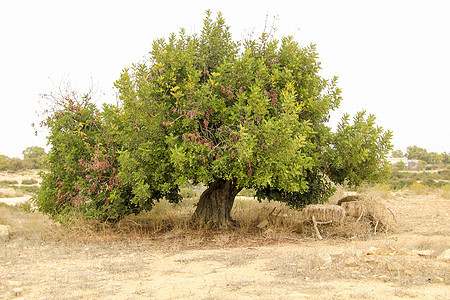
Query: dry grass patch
{"type": "Point", "coordinates": [169, 225]}
{"type": "Point", "coordinates": [29, 226]}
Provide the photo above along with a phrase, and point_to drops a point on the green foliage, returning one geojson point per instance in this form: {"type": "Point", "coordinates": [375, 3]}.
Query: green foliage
{"type": "Point", "coordinates": [397, 154]}
{"type": "Point", "coordinates": [34, 157]}
{"type": "Point", "coordinates": [254, 112]}
{"type": "Point", "coordinates": [8, 182]}
{"type": "Point", "coordinates": [15, 164]}
{"type": "Point", "coordinates": [431, 158]}
{"type": "Point", "coordinates": [29, 181]}
{"type": "Point", "coordinates": [404, 179]}
{"type": "Point", "coordinates": [400, 165]}
{"type": "Point", "coordinates": [82, 165]}
{"type": "Point", "coordinates": [206, 108]}
{"type": "Point", "coordinates": [358, 151]}
{"type": "Point", "coordinates": [4, 162]}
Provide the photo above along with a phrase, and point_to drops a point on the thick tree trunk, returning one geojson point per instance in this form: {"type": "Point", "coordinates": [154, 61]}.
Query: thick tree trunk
{"type": "Point", "coordinates": [215, 204]}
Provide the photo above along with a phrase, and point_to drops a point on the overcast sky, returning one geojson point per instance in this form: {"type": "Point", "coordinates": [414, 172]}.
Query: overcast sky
{"type": "Point", "coordinates": [392, 57]}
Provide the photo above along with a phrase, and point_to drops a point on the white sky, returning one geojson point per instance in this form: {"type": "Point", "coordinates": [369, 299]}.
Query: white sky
{"type": "Point", "coordinates": [392, 57]}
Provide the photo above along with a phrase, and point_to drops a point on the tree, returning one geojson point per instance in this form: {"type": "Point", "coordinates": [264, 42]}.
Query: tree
{"type": "Point", "coordinates": [414, 152]}
{"type": "Point", "coordinates": [15, 164]}
{"type": "Point", "coordinates": [400, 165]}
{"type": "Point", "coordinates": [230, 115]}
{"type": "Point", "coordinates": [397, 154]}
{"type": "Point", "coordinates": [433, 158]}
{"type": "Point", "coordinates": [4, 162]}
{"type": "Point", "coordinates": [233, 115]}
{"type": "Point", "coordinates": [34, 157]}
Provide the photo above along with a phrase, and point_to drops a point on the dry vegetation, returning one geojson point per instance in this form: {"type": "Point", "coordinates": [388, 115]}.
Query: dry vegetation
{"type": "Point", "coordinates": [274, 253]}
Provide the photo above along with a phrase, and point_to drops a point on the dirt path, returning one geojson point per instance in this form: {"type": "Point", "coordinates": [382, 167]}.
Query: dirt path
{"type": "Point", "coordinates": [403, 265]}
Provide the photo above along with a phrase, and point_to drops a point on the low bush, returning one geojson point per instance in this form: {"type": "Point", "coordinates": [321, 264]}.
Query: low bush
{"type": "Point", "coordinates": [445, 191]}
{"type": "Point", "coordinates": [8, 182]}
{"type": "Point", "coordinates": [418, 188]}
{"type": "Point", "coordinates": [29, 181]}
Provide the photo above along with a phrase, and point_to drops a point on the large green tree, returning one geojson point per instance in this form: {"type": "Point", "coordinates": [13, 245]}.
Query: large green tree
{"type": "Point", "coordinates": [231, 115]}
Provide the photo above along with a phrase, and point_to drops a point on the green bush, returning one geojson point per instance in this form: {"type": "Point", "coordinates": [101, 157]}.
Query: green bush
{"type": "Point", "coordinates": [8, 182]}
{"type": "Point", "coordinates": [82, 164]}
{"type": "Point", "coordinates": [29, 181]}
{"type": "Point", "coordinates": [34, 157]}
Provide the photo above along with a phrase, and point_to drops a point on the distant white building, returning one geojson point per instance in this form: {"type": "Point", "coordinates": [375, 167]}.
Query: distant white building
{"type": "Point", "coordinates": [409, 163]}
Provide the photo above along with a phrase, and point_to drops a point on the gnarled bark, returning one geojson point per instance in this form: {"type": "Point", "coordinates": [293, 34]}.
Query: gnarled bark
{"type": "Point", "coordinates": [215, 204]}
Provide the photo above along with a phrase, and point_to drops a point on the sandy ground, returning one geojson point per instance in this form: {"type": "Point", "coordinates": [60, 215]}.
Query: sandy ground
{"type": "Point", "coordinates": [404, 265]}
{"type": "Point", "coordinates": [15, 200]}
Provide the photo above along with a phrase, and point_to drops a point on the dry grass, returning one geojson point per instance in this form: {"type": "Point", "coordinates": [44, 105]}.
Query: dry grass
{"type": "Point", "coordinates": [324, 213]}
{"type": "Point", "coordinates": [169, 225]}
{"type": "Point", "coordinates": [378, 191]}
{"type": "Point", "coordinates": [445, 191]}
{"type": "Point", "coordinates": [29, 226]}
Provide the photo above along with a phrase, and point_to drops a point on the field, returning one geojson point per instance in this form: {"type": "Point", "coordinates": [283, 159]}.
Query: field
{"type": "Point", "coordinates": [164, 259]}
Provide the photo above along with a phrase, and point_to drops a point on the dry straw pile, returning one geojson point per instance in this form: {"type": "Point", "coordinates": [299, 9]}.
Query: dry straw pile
{"type": "Point", "coordinates": [324, 213]}
{"type": "Point", "coordinates": [354, 216]}
{"type": "Point", "coordinates": [369, 209]}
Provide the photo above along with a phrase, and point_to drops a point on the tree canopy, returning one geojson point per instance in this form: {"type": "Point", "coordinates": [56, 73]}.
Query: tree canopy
{"type": "Point", "coordinates": [207, 109]}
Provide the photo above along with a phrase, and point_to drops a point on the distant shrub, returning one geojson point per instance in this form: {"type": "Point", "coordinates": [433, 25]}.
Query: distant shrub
{"type": "Point", "coordinates": [8, 182]}
{"type": "Point", "coordinates": [446, 191]}
{"type": "Point", "coordinates": [444, 174]}
{"type": "Point", "coordinates": [29, 181]}
{"type": "Point", "coordinates": [15, 164]}
{"type": "Point", "coordinates": [418, 188]}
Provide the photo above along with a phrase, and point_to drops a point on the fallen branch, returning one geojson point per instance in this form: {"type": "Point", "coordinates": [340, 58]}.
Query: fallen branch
{"type": "Point", "coordinates": [325, 223]}
{"type": "Point", "coordinates": [362, 213]}
{"type": "Point", "coordinates": [395, 220]}
{"type": "Point", "coordinates": [316, 228]}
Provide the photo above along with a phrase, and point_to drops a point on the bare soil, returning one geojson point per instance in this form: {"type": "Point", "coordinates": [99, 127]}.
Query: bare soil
{"type": "Point", "coordinates": [263, 265]}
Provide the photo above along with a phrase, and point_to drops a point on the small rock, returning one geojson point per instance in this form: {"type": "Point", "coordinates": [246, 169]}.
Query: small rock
{"type": "Point", "coordinates": [444, 256]}
{"type": "Point", "coordinates": [369, 260]}
{"type": "Point", "coordinates": [17, 291]}
{"type": "Point", "coordinates": [423, 252]}
{"type": "Point", "coordinates": [325, 259]}
{"type": "Point", "coordinates": [402, 252]}
{"type": "Point", "coordinates": [438, 279]}
{"type": "Point", "coordinates": [300, 295]}
{"type": "Point", "coordinates": [377, 251]}
{"type": "Point", "coordinates": [409, 272]}
{"type": "Point", "coordinates": [383, 277]}
{"type": "Point", "coordinates": [350, 262]}
{"type": "Point", "coordinates": [324, 271]}
{"type": "Point", "coordinates": [263, 224]}
{"type": "Point", "coordinates": [426, 253]}
{"type": "Point", "coordinates": [4, 230]}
